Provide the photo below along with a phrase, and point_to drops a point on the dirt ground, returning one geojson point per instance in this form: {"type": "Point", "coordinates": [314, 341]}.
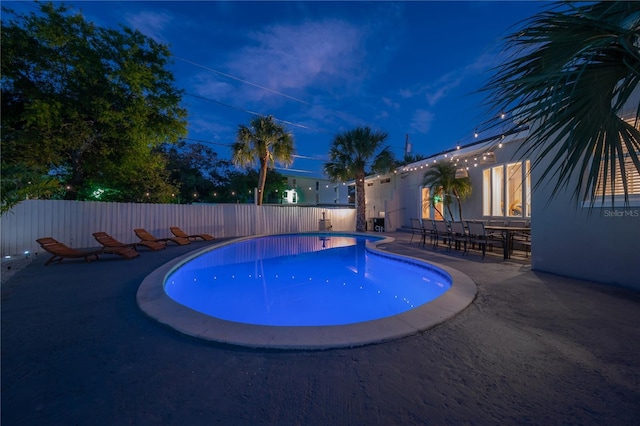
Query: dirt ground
{"type": "Point", "coordinates": [532, 349]}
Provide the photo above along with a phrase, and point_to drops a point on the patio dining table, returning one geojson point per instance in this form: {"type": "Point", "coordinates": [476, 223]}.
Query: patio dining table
{"type": "Point", "coordinates": [507, 232]}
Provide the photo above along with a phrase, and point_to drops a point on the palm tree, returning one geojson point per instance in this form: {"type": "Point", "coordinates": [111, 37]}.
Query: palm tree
{"type": "Point", "coordinates": [263, 142]}
{"type": "Point", "coordinates": [352, 155]}
{"type": "Point", "coordinates": [574, 68]}
{"type": "Point", "coordinates": [441, 180]}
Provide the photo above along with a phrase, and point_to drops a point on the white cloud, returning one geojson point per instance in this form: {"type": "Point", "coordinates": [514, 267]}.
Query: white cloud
{"type": "Point", "coordinates": [151, 24]}
{"type": "Point", "coordinates": [291, 57]}
{"type": "Point", "coordinates": [421, 121]}
{"type": "Point", "coordinates": [442, 86]}
{"type": "Point", "coordinates": [436, 90]}
{"type": "Point", "coordinates": [210, 86]}
{"type": "Point", "coordinates": [390, 103]}
{"type": "Point", "coordinates": [212, 127]}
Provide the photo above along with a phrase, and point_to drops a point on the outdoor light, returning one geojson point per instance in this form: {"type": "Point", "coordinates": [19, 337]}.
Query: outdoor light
{"type": "Point", "coordinates": [502, 115]}
{"type": "Point", "coordinates": [458, 146]}
{"type": "Point", "coordinates": [475, 133]}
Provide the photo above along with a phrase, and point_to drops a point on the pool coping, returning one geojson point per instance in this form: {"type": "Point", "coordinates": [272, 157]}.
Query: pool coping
{"type": "Point", "coordinates": [154, 301]}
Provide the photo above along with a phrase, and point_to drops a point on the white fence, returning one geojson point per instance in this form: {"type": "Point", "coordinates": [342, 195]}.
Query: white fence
{"type": "Point", "coordinates": [74, 222]}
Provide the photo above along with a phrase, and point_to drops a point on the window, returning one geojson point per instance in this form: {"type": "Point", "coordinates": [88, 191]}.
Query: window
{"type": "Point", "coordinates": [514, 189]}
{"type": "Point", "coordinates": [497, 184]}
{"type": "Point", "coordinates": [503, 189]}
{"type": "Point", "coordinates": [486, 192]}
{"type": "Point", "coordinates": [425, 205]}
{"type": "Point", "coordinates": [614, 185]}
{"type": "Point", "coordinates": [527, 189]}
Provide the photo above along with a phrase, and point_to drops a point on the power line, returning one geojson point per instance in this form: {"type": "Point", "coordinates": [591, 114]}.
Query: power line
{"type": "Point", "coordinates": [237, 108]}
{"type": "Point", "coordinates": [338, 113]}
{"type": "Point", "coordinates": [243, 81]}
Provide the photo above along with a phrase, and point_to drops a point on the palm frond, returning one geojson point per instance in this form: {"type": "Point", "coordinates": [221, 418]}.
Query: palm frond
{"type": "Point", "coordinates": [573, 71]}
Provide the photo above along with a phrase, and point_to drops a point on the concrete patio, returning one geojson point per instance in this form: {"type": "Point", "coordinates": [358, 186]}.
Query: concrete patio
{"type": "Point", "coordinates": [532, 348]}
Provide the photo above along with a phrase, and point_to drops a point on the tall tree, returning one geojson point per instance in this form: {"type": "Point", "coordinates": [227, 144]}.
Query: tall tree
{"type": "Point", "coordinates": [196, 170]}
{"type": "Point", "coordinates": [354, 154]}
{"type": "Point", "coordinates": [88, 103]}
{"type": "Point", "coordinates": [441, 180]}
{"type": "Point", "coordinates": [263, 142]}
{"type": "Point", "coordinates": [18, 183]}
{"type": "Point", "coordinates": [574, 68]}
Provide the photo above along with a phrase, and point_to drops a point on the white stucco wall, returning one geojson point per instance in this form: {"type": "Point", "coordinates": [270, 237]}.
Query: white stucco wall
{"type": "Point", "coordinates": [601, 244]}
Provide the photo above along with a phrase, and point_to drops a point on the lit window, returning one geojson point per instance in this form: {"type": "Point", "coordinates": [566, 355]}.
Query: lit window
{"type": "Point", "coordinates": [503, 190]}
{"type": "Point", "coordinates": [527, 188]}
{"type": "Point", "coordinates": [486, 192]}
{"type": "Point", "coordinates": [497, 196]}
{"type": "Point", "coordinates": [425, 203]}
{"type": "Point", "coordinates": [514, 189]}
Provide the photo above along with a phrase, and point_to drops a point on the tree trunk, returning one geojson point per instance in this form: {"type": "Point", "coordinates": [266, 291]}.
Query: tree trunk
{"type": "Point", "coordinates": [262, 179]}
{"type": "Point", "coordinates": [449, 210]}
{"type": "Point", "coordinates": [361, 212]}
{"type": "Point", "coordinates": [77, 177]}
{"type": "Point", "coordinates": [455, 193]}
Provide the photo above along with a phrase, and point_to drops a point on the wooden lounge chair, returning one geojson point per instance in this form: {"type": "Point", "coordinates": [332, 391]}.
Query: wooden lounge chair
{"type": "Point", "coordinates": [61, 251]}
{"type": "Point", "coordinates": [180, 233]}
{"type": "Point", "coordinates": [144, 235]}
{"type": "Point", "coordinates": [108, 241]}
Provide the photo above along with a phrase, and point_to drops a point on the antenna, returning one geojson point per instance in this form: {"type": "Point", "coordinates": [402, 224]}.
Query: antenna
{"type": "Point", "coordinates": [407, 145]}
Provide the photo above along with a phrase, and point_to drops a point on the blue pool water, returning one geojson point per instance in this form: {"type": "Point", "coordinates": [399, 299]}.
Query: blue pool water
{"type": "Point", "coordinates": [303, 280]}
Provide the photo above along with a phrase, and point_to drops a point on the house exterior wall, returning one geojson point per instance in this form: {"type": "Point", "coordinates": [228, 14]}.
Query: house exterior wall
{"type": "Point", "coordinates": [314, 191]}
{"type": "Point", "coordinates": [601, 244]}
{"type": "Point", "coordinates": [404, 197]}
{"type": "Point", "coordinates": [472, 207]}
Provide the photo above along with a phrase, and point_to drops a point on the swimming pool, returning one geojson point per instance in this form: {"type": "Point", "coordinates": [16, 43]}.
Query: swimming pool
{"type": "Point", "coordinates": [154, 301]}
{"type": "Point", "coordinates": [303, 280]}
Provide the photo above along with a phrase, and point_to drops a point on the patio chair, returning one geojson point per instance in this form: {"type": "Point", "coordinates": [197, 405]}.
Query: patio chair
{"type": "Point", "coordinates": [108, 241]}
{"type": "Point", "coordinates": [61, 251]}
{"type": "Point", "coordinates": [181, 234]}
{"type": "Point", "coordinates": [458, 236]}
{"type": "Point", "coordinates": [144, 235]}
{"type": "Point", "coordinates": [477, 235]}
{"type": "Point", "coordinates": [441, 233]}
{"type": "Point", "coordinates": [417, 229]}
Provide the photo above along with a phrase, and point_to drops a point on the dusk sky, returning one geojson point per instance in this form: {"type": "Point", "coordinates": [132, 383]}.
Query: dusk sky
{"type": "Point", "coordinates": [325, 67]}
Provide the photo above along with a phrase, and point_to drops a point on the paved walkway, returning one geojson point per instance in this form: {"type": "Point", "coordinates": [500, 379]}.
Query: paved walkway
{"type": "Point", "coordinates": [532, 348]}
